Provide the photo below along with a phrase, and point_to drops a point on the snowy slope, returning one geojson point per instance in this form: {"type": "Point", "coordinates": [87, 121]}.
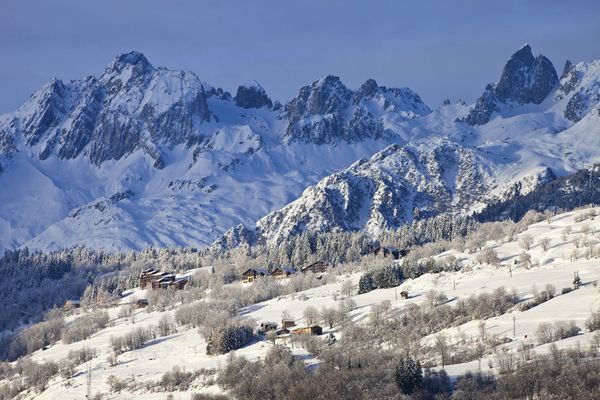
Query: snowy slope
{"type": "Point", "coordinates": [186, 348]}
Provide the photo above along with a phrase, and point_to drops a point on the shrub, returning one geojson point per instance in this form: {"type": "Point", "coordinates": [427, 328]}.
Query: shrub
{"type": "Point", "coordinates": [165, 326]}
{"type": "Point", "coordinates": [547, 332]}
{"type": "Point", "coordinates": [177, 379]}
{"type": "Point", "coordinates": [82, 355]}
{"type": "Point", "coordinates": [84, 327]}
{"type": "Point", "coordinates": [593, 322]}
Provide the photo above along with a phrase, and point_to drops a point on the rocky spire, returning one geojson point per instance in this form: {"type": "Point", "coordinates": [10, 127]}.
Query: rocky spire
{"type": "Point", "coordinates": [525, 79]}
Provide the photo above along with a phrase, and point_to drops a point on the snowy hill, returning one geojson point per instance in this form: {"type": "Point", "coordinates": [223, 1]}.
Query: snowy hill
{"type": "Point", "coordinates": [194, 161]}
{"type": "Point", "coordinates": [557, 247]}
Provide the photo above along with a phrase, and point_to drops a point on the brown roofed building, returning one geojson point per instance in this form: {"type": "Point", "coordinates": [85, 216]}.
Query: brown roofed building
{"type": "Point", "coordinates": [318, 267]}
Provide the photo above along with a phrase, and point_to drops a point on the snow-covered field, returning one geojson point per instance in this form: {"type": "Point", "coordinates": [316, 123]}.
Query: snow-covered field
{"type": "Point", "coordinates": [186, 348]}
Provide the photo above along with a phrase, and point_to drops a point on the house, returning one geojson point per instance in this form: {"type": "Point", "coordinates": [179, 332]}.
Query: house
{"type": "Point", "coordinates": [145, 276]}
{"type": "Point", "coordinates": [282, 272]}
{"type": "Point", "coordinates": [251, 274]}
{"type": "Point", "coordinates": [150, 275]}
{"type": "Point", "coordinates": [404, 294]}
{"type": "Point", "coordinates": [267, 327]}
{"type": "Point", "coordinates": [140, 303]}
{"type": "Point", "coordinates": [180, 283]}
{"type": "Point", "coordinates": [318, 267]}
{"type": "Point", "coordinates": [164, 282]}
{"type": "Point", "coordinates": [288, 323]}
{"type": "Point", "coordinates": [281, 332]}
{"type": "Point", "coordinates": [309, 330]}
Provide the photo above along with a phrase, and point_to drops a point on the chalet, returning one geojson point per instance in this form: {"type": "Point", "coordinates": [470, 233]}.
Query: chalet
{"type": "Point", "coordinates": [404, 294]}
{"type": "Point", "coordinates": [318, 267]}
{"type": "Point", "coordinates": [288, 323]}
{"type": "Point", "coordinates": [251, 274]}
{"type": "Point", "coordinates": [164, 282]}
{"type": "Point", "coordinates": [309, 330]}
{"type": "Point", "coordinates": [282, 272]}
{"type": "Point", "coordinates": [140, 303]}
{"type": "Point", "coordinates": [180, 283]}
{"type": "Point", "coordinates": [151, 275]}
{"type": "Point", "coordinates": [281, 332]}
{"type": "Point", "coordinates": [145, 276]}
{"type": "Point", "coordinates": [267, 327]}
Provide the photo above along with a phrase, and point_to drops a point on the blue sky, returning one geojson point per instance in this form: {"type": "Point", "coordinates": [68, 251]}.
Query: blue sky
{"type": "Point", "coordinates": [437, 48]}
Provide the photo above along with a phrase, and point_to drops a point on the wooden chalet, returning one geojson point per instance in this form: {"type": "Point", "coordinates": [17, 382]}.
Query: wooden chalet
{"type": "Point", "coordinates": [282, 272]}
{"type": "Point", "coordinates": [146, 276]}
{"type": "Point", "coordinates": [180, 283]}
{"type": "Point", "coordinates": [318, 267]}
{"type": "Point", "coordinates": [288, 323]}
{"type": "Point", "coordinates": [164, 282]}
{"type": "Point", "coordinates": [251, 274]}
{"type": "Point", "coordinates": [309, 330]}
{"type": "Point", "coordinates": [267, 327]}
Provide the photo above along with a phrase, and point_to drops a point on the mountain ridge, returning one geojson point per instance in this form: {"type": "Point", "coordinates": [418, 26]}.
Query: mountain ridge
{"type": "Point", "coordinates": [199, 160]}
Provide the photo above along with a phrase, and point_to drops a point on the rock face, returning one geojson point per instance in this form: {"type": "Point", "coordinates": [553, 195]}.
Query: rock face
{"type": "Point", "coordinates": [327, 112]}
{"type": "Point", "coordinates": [131, 106]}
{"type": "Point", "coordinates": [252, 95]}
{"type": "Point", "coordinates": [580, 87]}
{"type": "Point", "coordinates": [395, 186]}
{"type": "Point", "coordinates": [525, 79]}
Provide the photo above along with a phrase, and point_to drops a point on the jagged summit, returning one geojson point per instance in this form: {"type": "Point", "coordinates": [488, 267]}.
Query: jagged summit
{"type": "Point", "coordinates": [132, 59]}
{"type": "Point", "coordinates": [329, 112]}
{"type": "Point", "coordinates": [252, 95]}
{"type": "Point", "coordinates": [524, 79]}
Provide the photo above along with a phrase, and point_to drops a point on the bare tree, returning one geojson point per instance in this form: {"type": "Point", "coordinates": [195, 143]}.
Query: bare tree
{"type": "Point", "coordinates": [545, 243]}
{"type": "Point", "coordinates": [347, 289]}
{"type": "Point", "coordinates": [329, 316]}
{"type": "Point", "coordinates": [441, 346]}
{"type": "Point", "coordinates": [311, 315]}
{"type": "Point", "coordinates": [526, 241]}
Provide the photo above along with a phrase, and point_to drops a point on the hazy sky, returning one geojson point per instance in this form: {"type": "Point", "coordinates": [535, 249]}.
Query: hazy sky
{"type": "Point", "coordinates": [440, 49]}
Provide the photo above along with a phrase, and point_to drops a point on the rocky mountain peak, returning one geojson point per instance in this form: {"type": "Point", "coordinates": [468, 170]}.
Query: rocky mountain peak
{"type": "Point", "coordinates": [369, 88]}
{"type": "Point", "coordinates": [525, 79]}
{"type": "Point", "coordinates": [134, 59]}
{"type": "Point", "coordinates": [252, 95]}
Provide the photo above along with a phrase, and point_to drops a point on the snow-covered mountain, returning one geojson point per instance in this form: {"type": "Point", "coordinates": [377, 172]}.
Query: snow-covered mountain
{"type": "Point", "coordinates": [533, 129]}
{"type": "Point", "coordinates": [149, 156]}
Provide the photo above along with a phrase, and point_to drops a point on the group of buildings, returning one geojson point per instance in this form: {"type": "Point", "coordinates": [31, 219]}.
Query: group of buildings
{"type": "Point", "coordinates": [158, 279]}
{"type": "Point", "coordinates": [318, 267]}
{"type": "Point", "coordinates": [287, 327]}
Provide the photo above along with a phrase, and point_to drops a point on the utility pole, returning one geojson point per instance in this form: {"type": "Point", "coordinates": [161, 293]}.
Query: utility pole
{"type": "Point", "coordinates": [454, 284]}
{"type": "Point", "coordinates": [89, 381]}
{"type": "Point", "coordinates": [514, 326]}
